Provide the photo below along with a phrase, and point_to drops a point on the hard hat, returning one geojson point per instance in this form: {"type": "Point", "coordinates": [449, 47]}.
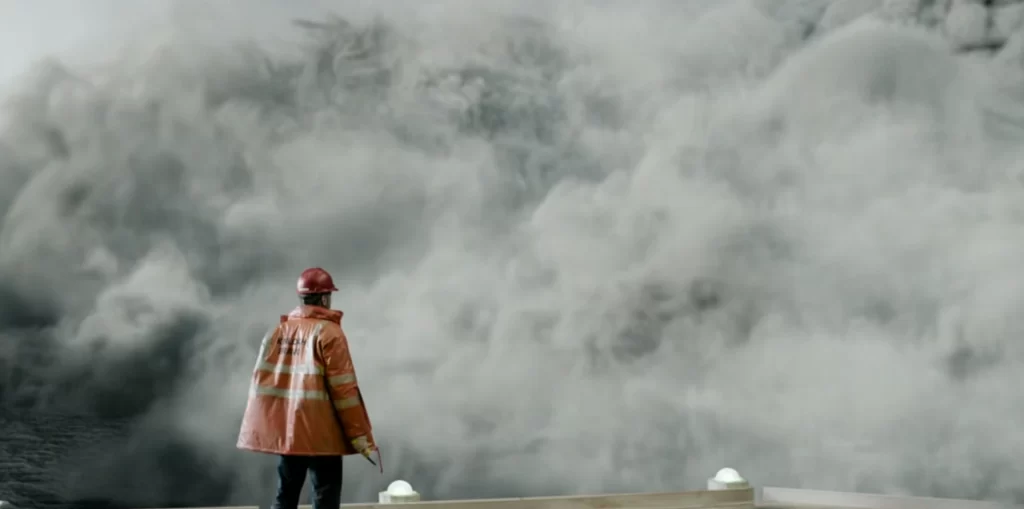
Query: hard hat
{"type": "Point", "coordinates": [315, 280]}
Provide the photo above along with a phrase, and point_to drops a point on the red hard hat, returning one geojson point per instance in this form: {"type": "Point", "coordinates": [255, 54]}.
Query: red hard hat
{"type": "Point", "coordinates": [315, 280]}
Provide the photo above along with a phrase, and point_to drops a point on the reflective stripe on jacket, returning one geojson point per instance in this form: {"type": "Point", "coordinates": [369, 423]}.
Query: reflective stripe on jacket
{"type": "Point", "coordinates": [304, 398]}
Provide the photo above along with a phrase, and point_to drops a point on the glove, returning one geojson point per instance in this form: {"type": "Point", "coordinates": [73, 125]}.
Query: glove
{"type": "Point", "coordinates": [363, 445]}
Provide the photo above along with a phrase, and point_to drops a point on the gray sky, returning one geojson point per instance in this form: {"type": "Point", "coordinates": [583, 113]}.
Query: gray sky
{"type": "Point", "coordinates": [32, 29]}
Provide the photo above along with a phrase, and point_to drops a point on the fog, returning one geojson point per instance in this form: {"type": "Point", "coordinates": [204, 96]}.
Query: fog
{"type": "Point", "coordinates": [581, 246]}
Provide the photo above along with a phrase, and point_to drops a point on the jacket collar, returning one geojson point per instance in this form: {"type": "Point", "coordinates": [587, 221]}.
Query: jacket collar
{"type": "Point", "coordinates": [315, 312]}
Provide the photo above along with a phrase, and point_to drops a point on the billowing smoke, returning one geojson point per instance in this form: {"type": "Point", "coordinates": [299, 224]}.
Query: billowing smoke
{"type": "Point", "coordinates": [582, 248]}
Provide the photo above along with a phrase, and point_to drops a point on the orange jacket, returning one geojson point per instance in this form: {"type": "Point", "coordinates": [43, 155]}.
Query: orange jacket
{"type": "Point", "coordinates": [304, 399]}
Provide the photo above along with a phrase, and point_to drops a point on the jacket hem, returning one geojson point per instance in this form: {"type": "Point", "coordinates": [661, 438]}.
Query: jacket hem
{"type": "Point", "coordinates": [278, 452]}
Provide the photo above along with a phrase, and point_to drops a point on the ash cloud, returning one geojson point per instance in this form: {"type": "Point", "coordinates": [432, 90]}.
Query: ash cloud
{"type": "Point", "coordinates": [583, 247]}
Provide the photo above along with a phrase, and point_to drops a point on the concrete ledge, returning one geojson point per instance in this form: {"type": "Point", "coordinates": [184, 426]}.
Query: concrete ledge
{"type": "Point", "coordinates": [767, 498]}
{"type": "Point", "coordinates": [771, 498]}
{"type": "Point", "coordinates": [725, 499]}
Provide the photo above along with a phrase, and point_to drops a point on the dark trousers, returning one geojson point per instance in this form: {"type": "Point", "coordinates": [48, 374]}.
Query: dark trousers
{"type": "Point", "coordinates": [325, 477]}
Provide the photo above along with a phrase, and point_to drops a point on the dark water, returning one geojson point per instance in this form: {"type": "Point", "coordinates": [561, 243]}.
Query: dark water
{"type": "Point", "coordinates": [54, 461]}
{"type": "Point", "coordinates": [41, 457]}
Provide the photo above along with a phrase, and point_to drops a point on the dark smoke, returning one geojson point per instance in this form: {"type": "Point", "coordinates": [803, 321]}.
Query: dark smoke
{"type": "Point", "coordinates": [585, 247]}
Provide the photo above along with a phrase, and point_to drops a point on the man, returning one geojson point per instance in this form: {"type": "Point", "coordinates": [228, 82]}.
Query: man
{"type": "Point", "coordinates": [304, 403]}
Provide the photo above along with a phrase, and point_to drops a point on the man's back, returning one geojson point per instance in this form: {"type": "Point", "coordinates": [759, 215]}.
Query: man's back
{"type": "Point", "coordinates": [304, 401]}
{"type": "Point", "coordinates": [304, 398]}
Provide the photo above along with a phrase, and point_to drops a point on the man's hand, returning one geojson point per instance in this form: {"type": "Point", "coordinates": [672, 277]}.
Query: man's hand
{"type": "Point", "coordinates": [365, 448]}
{"type": "Point", "coordinates": [362, 445]}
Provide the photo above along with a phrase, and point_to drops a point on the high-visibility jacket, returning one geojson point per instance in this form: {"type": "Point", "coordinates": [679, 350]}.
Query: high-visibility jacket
{"type": "Point", "coordinates": [304, 398]}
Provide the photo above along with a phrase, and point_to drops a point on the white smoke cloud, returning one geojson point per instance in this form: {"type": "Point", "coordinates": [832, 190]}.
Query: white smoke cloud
{"type": "Point", "coordinates": [582, 247]}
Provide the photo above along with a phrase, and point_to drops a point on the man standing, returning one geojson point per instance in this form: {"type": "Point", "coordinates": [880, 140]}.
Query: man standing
{"type": "Point", "coordinates": [304, 402]}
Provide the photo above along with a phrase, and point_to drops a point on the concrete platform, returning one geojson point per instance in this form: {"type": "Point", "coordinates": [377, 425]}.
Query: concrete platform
{"type": "Point", "coordinates": [763, 498]}
{"type": "Point", "coordinates": [788, 498]}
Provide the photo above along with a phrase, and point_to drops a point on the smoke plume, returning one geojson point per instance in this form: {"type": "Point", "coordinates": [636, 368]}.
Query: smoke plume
{"type": "Point", "coordinates": [581, 246]}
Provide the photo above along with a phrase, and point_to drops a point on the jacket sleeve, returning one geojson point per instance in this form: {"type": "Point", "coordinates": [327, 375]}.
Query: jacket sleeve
{"type": "Point", "coordinates": [343, 387]}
